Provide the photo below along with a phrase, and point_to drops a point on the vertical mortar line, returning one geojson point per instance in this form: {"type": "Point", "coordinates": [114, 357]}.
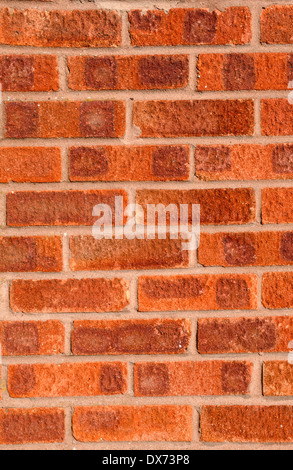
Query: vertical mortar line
{"type": "Point", "coordinates": [4, 299]}
{"type": "Point", "coordinates": [196, 424]}
{"type": "Point", "coordinates": [66, 253]}
{"type": "Point", "coordinates": [4, 382]}
{"type": "Point", "coordinates": [2, 114]}
{"type": "Point", "coordinates": [65, 163]}
{"type": "Point", "coordinates": [193, 58]}
{"type": "Point", "coordinates": [68, 326]}
{"type": "Point", "coordinates": [256, 11]}
{"type": "Point", "coordinates": [257, 117]}
{"type": "Point", "coordinates": [69, 439]}
{"type": "Point", "coordinates": [256, 383]}
{"type": "Point", "coordinates": [259, 291]}
{"type": "Point", "coordinates": [193, 346]}
{"type": "Point", "coordinates": [133, 303]}
{"type": "Point", "coordinates": [3, 214]}
{"type": "Point", "coordinates": [125, 30]}
{"type": "Point", "coordinates": [62, 69]}
{"type": "Point", "coordinates": [130, 381]}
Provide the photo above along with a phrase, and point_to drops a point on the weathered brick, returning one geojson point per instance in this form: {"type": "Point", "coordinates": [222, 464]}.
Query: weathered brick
{"type": "Point", "coordinates": [217, 206]}
{"type": "Point", "coordinates": [128, 72]}
{"type": "Point", "coordinates": [155, 336]}
{"type": "Point", "coordinates": [276, 117]}
{"type": "Point", "coordinates": [37, 425]}
{"type": "Point", "coordinates": [202, 292]}
{"type": "Point", "coordinates": [277, 378]}
{"type": "Point", "coordinates": [30, 164]}
{"type": "Point", "coordinates": [194, 118]}
{"type": "Point", "coordinates": [277, 290]}
{"type": "Point", "coordinates": [244, 162]}
{"type": "Point", "coordinates": [55, 119]}
{"type": "Point", "coordinates": [32, 254]}
{"type": "Point", "coordinates": [277, 206]}
{"type": "Point", "coordinates": [129, 163]}
{"type": "Point", "coordinates": [67, 379]}
{"type": "Point", "coordinates": [32, 338]}
{"type": "Point", "coordinates": [276, 24]}
{"type": "Point", "coordinates": [29, 72]}
{"type": "Point", "coordinates": [57, 207]}
{"type": "Point", "coordinates": [269, 424]}
{"type": "Point", "coordinates": [190, 27]}
{"type": "Point", "coordinates": [246, 249]}
{"type": "Point", "coordinates": [72, 295]}
{"type": "Point", "coordinates": [192, 378]}
{"type": "Point", "coordinates": [244, 335]}
{"type": "Point", "coordinates": [133, 423]}
{"type": "Point", "coordinates": [57, 28]}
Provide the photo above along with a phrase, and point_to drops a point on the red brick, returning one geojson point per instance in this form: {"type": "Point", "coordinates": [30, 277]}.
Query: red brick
{"type": "Point", "coordinates": [30, 165]}
{"type": "Point", "coordinates": [194, 118]}
{"type": "Point", "coordinates": [217, 206]}
{"type": "Point", "coordinates": [31, 254]}
{"type": "Point", "coordinates": [244, 162]}
{"type": "Point", "coordinates": [128, 72]}
{"type": "Point", "coordinates": [57, 28]}
{"type": "Point", "coordinates": [55, 119]}
{"type": "Point", "coordinates": [261, 424]}
{"type": "Point", "coordinates": [72, 295]}
{"type": "Point", "coordinates": [192, 378]}
{"type": "Point", "coordinates": [29, 73]}
{"type": "Point", "coordinates": [277, 290]}
{"type": "Point", "coordinates": [90, 254]}
{"type": "Point", "coordinates": [32, 338]}
{"type": "Point", "coordinates": [244, 335]}
{"type": "Point", "coordinates": [113, 337]}
{"type": "Point", "coordinates": [67, 379]}
{"type": "Point", "coordinates": [246, 249]}
{"type": "Point", "coordinates": [277, 206]}
{"type": "Point", "coordinates": [129, 163]}
{"type": "Point", "coordinates": [133, 423]}
{"type": "Point", "coordinates": [262, 71]}
{"type": "Point", "coordinates": [57, 207]}
{"type": "Point", "coordinates": [277, 378]}
{"type": "Point", "coordinates": [202, 292]}
{"type": "Point", "coordinates": [276, 117]}
{"type": "Point", "coordinates": [190, 27]}
{"type": "Point", "coordinates": [276, 24]}
{"type": "Point", "coordinates": [38, 425]}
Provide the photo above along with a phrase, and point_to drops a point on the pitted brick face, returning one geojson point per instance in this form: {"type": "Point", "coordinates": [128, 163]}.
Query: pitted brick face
{"type": "Point", "coordinates": [101, 73]}
{"type": "Point", "coordinates": [200, 27]}
{"type": "Point", "coordinates": [162, 71]}
{"type": "Point", "coordinates": [287, 246]}
{"type": "Point", "coordinates": [17, 73]}
{"type": "Point", "coordinates": [238, 251]}
{"type": "Point", "coordinates": [88, 161]}
{"type": "Point", "coordinates": [232, 293]}
{"type": "Point", "coordinates": [146, 22]}
{"type": "Point", "coordinates": [97, 119]}
{"type": "Point", "coordinates": [111, 379]}
{"type": "Point", "coordinates": [235, 378]}
{"type": "Point", "coordinates": [170, 161]}
{"type": "Point", "coordinates": [239, 73]}
{"type": "Point", "coordinates": [22, 380]}
{"type": "Point", "coordinates": [153, 380]}
{"type": "Point", "coordinates": [213, 159]}
{"type": "Point", "coordinates": [21, 120]}
{"type": "Point", "coordinates": [179, 289]}
{"type": "Point", "coordinates": [21, 338]}
{"type": "Point", "coordinates": [282, 158]}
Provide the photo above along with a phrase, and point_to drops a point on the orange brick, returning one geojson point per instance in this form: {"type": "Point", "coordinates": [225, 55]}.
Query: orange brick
{"type": "Point", "coordinates": [194, 118]}
{"type": "Point", "coordinates": [277, 290]}
{"type": "Point", "coordinates": [276, 24]}
{"type": "Point", "coordinates": [186, 26]}
{"type": "Point", "coordinates": [276, 117]}
{"type": "Point", "coordinates": [155, 336]}
{"type": "Point", "coordinates": [30, 165]}
{"type": "Point", "coordinates": [269, 424]}
{"type": "Point", "coordinates": [72, 295]}
{"type": "Point", "coordinates": [277, 378]}
{"type": "Point", "coordinates": [32, 338]}
{"type": "Point", "coordinates": [32, 254]}
{"type": "Point", "coordinates": [136, 423]}
{"type": "Point", "coordinates": [57, 28]}
{"type": "Point", "coordinates": [192, 378]}
{"type": "Point", "coordinates": [129, 163]}
{"type": "Point", "coordinates": [67, 380]}
{"type": "Point", "coordinates": [202, 292]}
{"type": "Point", "coordinates": [246, 249]}
{"type": "Point", "coordinates": [277, 206]}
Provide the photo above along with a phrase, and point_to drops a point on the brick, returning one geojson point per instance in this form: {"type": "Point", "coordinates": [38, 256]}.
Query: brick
{"type": "Point", "coordinates": [217, 206]}
{"type": "Point", "coordinates": [244, 335]}
{"type": "Point", "coordinates": [276, 24]}
{"type": "Point", "coordinates": [277, 378]}
{"type": "Point", "coordinates": [277, 205]}
{"type": "Point", "coordinates": [133, 423]}
{"type": "Point", "coordinates": [128, 72]}
{"type": "Point", "coordinates": [30, 165]}
{"type": "Point", "coordinates": [244, 162]}
{"type": "Point", "coordinates": [246, 249]}
{"type": "Point", "coordinates": [31, 254]}
{"type": "Point", "coordinates": [277, 290]}
{"type": "Point", "coordinates": [276, 117]}
{"type": "Point", "coordinates": [57, 28]}
{"type": "Point", "coordinates": [186, 26]}
{"type": "Point", "coordinates": [67, 379]}
{"type": "Point", "coordinates": [202, 292]}
{"type": "Point", "coordinates": [261, 71]}
{"type": "Point", "coordinates": [192, 378]}
{"type": "Point", "coordinates": [89, 254]}
{"type": "Point", "coordinates": [113, 337]}
{"type": "Point", "coordinates": [194, 118]}
{"type": "Point", "coordinates": [25, 208]}
{"type": "Point", "coordinates": [32, 338]}
{"type": "Point", "coordinates": [71, 295]}
{"type": "Point", "coordinates": [37, 425]}
{"type": "Point", "coordinates": [29, 73]}
{"type": "Point", "coordinates": [129, 163]}
{"type": "Point", "coordinates": [69, 119]}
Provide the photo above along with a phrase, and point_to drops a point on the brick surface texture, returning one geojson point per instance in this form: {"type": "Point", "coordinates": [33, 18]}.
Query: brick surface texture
{"type": "Point", "coordinates": [136, 343]}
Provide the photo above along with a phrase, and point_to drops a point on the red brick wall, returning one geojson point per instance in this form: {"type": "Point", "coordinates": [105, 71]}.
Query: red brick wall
{"type": "Point", "coordinates": [138, 344]}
